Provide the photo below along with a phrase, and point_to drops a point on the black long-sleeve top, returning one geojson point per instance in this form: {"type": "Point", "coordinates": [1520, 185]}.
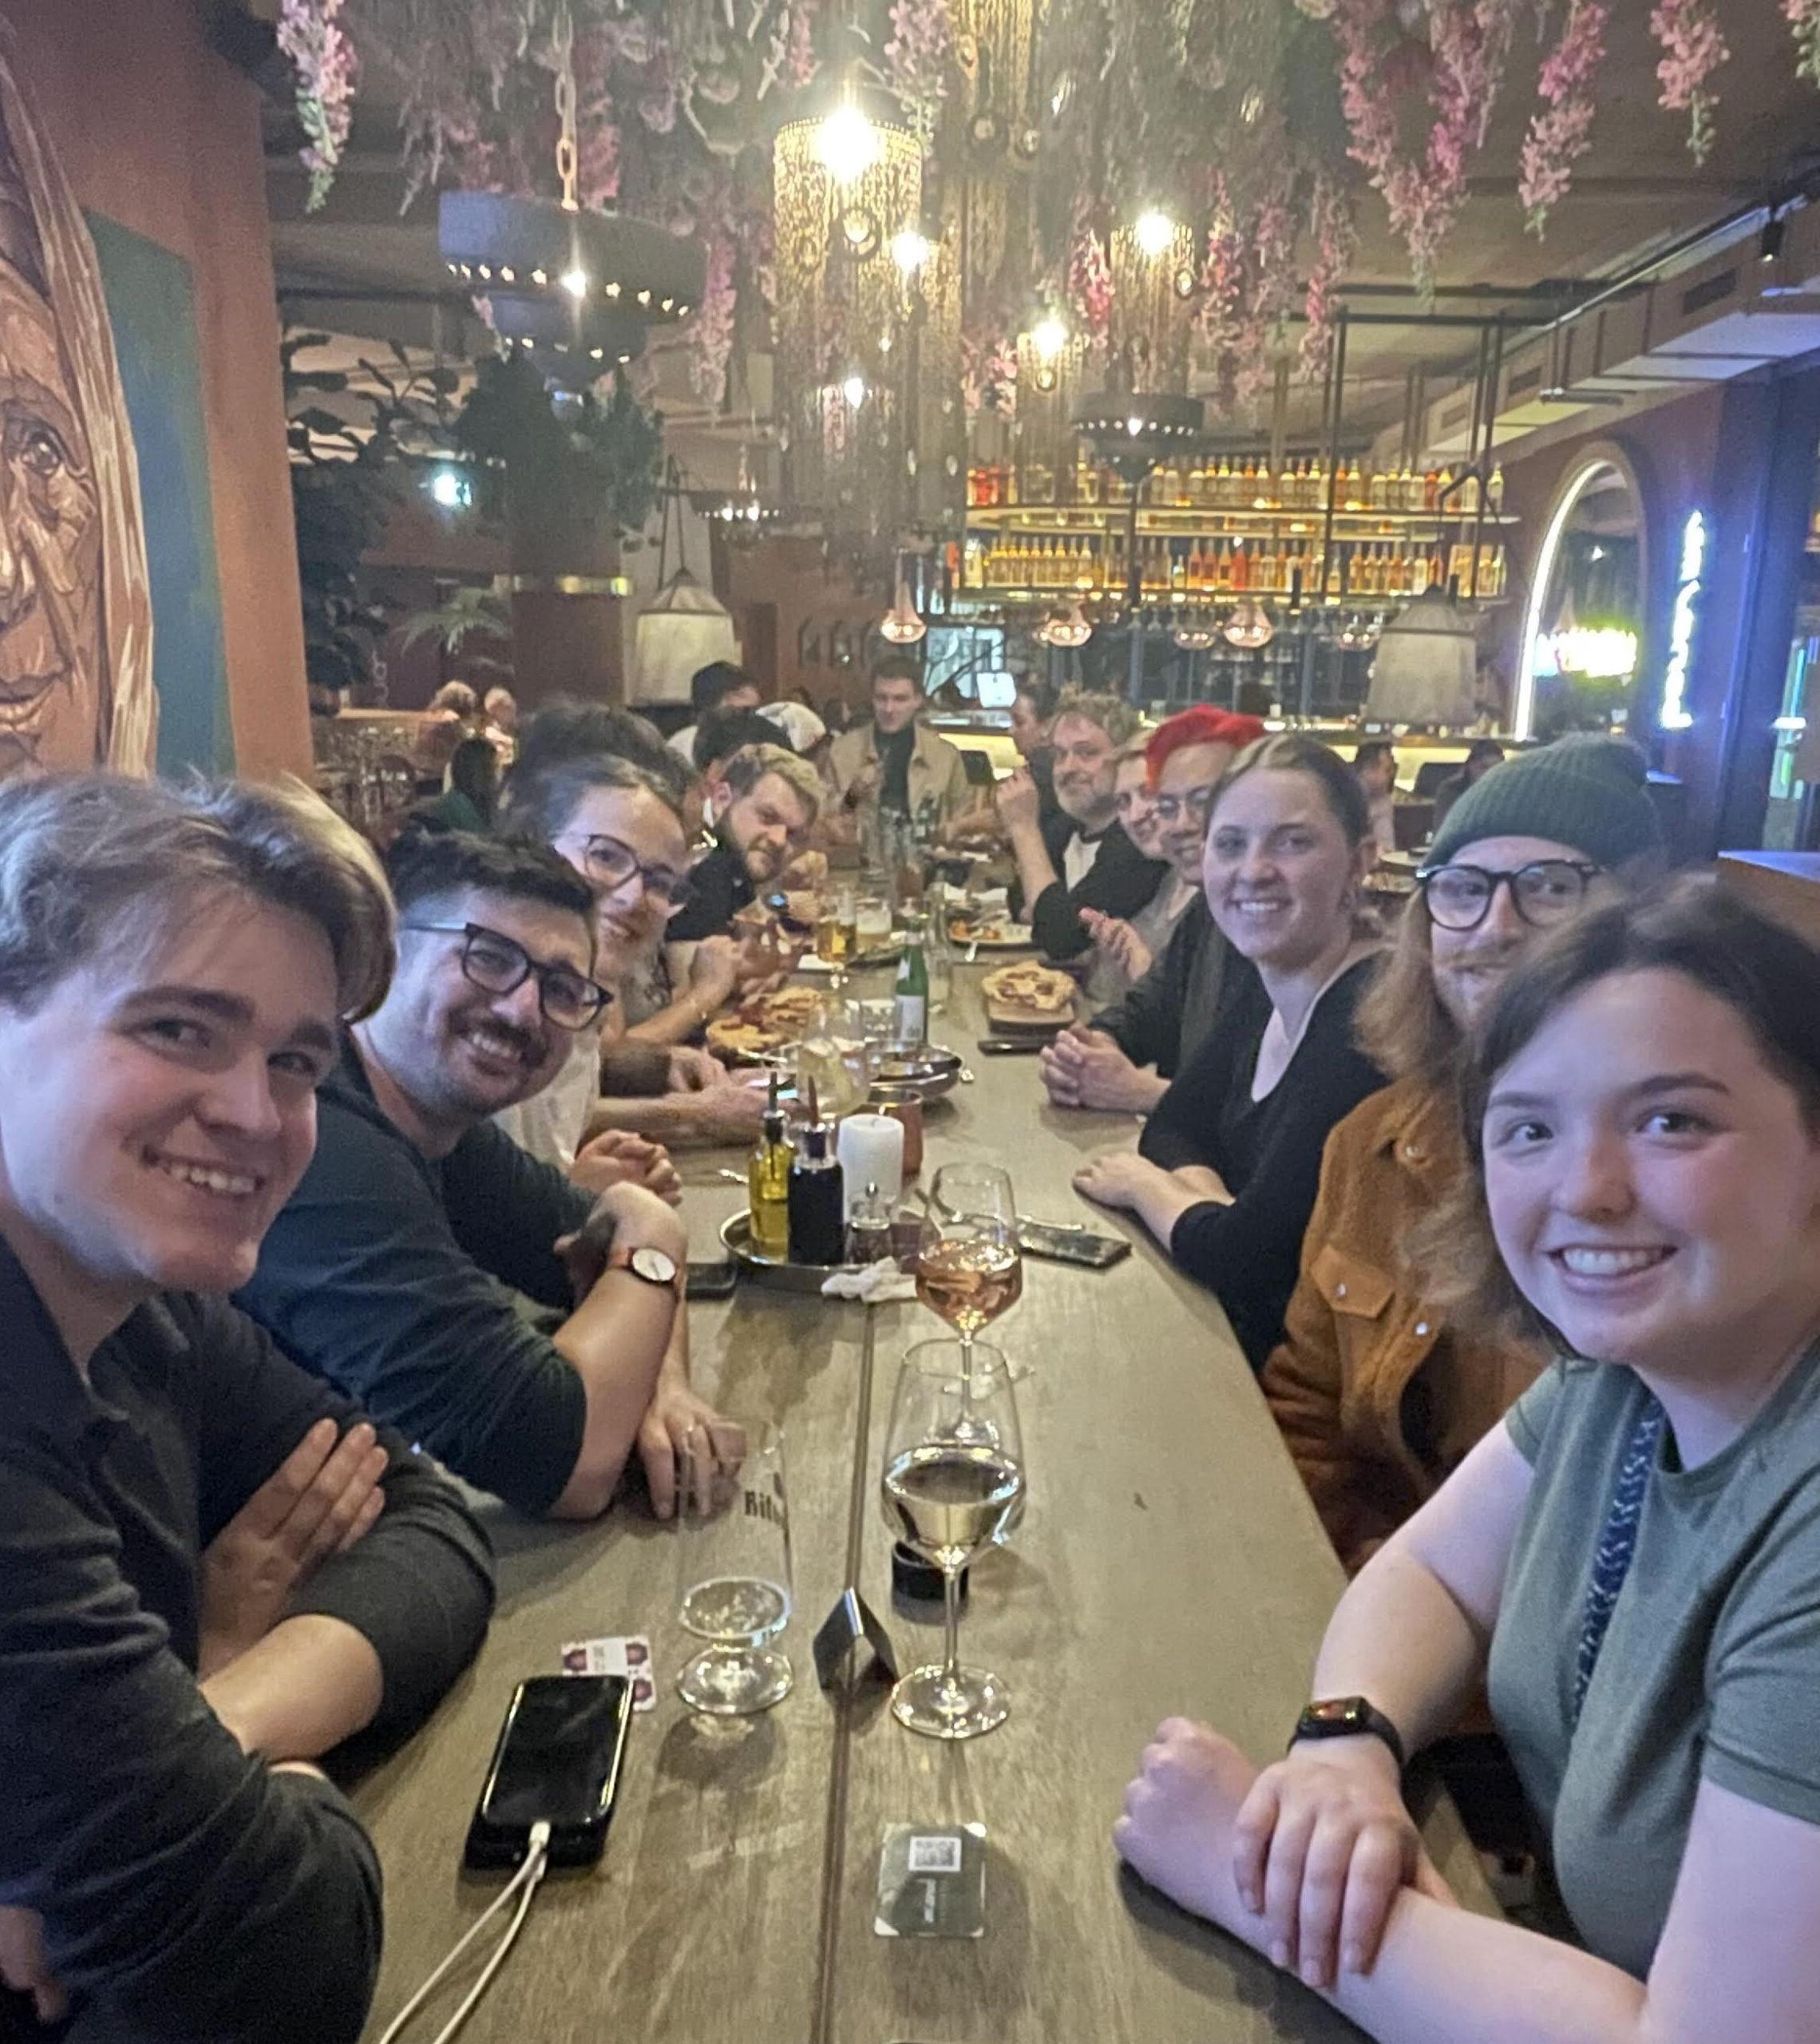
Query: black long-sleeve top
{"type": "Point", "coordinates": [1120, 880]}
{"type": "Point", "coordinates": [1267, 1151]}
{"type": "Point", "coordinates": [188, 1890]}
{"type": "Point", "coordinates": [393, 1276]}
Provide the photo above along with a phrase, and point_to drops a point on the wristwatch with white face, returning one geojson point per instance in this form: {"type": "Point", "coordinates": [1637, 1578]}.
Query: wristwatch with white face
{"type": "Point", "coordinates": [655, 1266]}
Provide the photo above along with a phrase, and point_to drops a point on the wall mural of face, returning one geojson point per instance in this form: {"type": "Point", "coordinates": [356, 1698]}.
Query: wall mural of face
{"type": "Point", "coordinates": [76, 684]}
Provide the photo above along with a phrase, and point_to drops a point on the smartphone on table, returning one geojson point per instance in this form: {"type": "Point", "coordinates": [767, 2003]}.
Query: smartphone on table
{"type": "Point", "coordinates": [557, 1762]}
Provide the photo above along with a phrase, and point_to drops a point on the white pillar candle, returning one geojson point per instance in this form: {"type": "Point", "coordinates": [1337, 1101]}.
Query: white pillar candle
{"type": "Point", "coordinates": [871, 1150]}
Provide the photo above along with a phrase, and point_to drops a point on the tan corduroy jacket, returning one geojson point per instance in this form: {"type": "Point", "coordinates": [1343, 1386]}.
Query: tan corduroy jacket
{"type": "Point", "coordinates": [1377, 1397]}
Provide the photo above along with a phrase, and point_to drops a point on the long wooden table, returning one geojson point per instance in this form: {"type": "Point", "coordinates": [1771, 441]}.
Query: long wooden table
{"type": "Point", "coordinates": [1168, 1561]}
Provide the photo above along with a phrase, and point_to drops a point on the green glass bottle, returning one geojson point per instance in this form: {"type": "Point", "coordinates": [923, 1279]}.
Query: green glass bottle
{"type": "Point", "coordinates": [910, 997]}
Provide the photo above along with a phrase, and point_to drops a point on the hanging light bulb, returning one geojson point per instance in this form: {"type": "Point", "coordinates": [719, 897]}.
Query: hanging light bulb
{"type": "Point", "coordinates": [900, 624]}
{"type": "Point", "coordinates": [1156, 233]}
{"type": "Point", "coordinates": [575, 283]}
{"type": "Point", "coordinates": [847, 145]}
{"type": "Point", "coordinates": [910, 250]}
{"type": "Point", "coordinates": [1050, 336]}
{"type": "Point", "coordinates": [1195, 636]}
{"type": "Point", "coordinates": [1249, 626]}
{"type": "Point", "coordinates": [853, 390]}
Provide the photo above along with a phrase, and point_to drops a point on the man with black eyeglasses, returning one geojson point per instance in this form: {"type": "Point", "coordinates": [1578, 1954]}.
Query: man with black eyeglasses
{"type": "Point", "coordinates": [395, 1269]}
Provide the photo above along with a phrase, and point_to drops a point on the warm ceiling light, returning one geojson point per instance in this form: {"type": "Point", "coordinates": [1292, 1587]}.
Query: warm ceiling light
{"type": "Point", "coordinates": [1066, 627]}
{"type": "Point", "coordinates": [854, 390]}
{"type": "Point", "coordinates": [847, 145]}
{"type": "Point", "coordinates": [1249, 626]}
{"type": "Point", "coordinates": [575, 283]}
{"type": "Point", "coordinates": [1049, 337]}
{"type": "Point", "coordinates": [900, 624]}
{"type": "Point", "coordinates": [1156, 233]}
{"type": "Point", "coordinates": [910, 250]}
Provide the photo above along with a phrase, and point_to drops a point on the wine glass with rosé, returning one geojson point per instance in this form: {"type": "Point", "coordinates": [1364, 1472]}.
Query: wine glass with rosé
{"type": "Point", "coordinates": [969, 1268]}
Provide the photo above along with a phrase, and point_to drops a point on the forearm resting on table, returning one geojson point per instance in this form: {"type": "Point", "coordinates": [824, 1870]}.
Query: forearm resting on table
{"type": "Point", "coordinates": [311, 1682]}
{"type": "Point", "coordinates": [1398, 1637]}
{"type": "Point", "coordinates": [680, 1022]}
{"type": "Point", "coordinates": [1164, 1196]}
{"type": "Point", "coordinates": [617, 1339]}
{"type": "Point", "coordinates": [676, 1119]}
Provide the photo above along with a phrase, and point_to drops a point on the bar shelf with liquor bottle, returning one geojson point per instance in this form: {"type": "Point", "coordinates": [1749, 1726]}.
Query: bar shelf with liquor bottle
{"type": "Point", "coordinates": [1229, 528]}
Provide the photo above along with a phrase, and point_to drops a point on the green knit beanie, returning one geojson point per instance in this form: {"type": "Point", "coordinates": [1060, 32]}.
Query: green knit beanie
{"type": "Point", "coordinates": [1583, 790]}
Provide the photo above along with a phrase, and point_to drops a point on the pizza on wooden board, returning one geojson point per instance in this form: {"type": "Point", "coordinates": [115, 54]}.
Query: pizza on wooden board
{"type": "Point", "coordinates": [1034, 992]}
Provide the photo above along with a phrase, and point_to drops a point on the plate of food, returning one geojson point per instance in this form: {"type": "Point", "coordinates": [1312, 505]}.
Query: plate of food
{"type": "Point", "coordinates": [764, 1026]}
{"type": "Point", "coordinates": [990, 933]}
{"type": "Point", "coordinates": [1029, 996]}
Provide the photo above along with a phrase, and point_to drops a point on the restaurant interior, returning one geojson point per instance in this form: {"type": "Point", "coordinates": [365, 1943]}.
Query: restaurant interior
{"type": "Point", "coordinates": [1433, 374]}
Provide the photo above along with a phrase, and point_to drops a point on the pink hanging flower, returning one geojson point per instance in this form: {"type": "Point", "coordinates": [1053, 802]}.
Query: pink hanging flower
{"type": "Point", "coordinates": [799, 45]}
{"type": "Point", "coordinates": [711, 340]}
{"type": "Point", "coordinates": [1330, 223]}
{"type": "Point", "coordinates": [1804, 17]}
{"type": "Point", "coordinates": [918, 56]}
{"type": "Point", "coordinates": [1564, 130]}
{"type": "Point", "coordinates": [1694, 44]}
{"type": "Point", "coordinates": [1090, 276]}
{"type": "Point", "coordinates": [310, 34]}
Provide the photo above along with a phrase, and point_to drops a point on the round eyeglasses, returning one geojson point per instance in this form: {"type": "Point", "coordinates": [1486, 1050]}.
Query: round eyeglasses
{"type": "Point", "coordinates": [496, 963]}
{"type": "Point", "coordinates": [1544, 892]}
{"type": "Point", "coordinates": [609, 863]}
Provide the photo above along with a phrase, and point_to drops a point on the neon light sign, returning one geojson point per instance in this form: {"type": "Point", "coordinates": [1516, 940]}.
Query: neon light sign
{"type": "Point", "coordinates": [1675, 716]}
{"type": "Point", "coordinates": [1594, 653]}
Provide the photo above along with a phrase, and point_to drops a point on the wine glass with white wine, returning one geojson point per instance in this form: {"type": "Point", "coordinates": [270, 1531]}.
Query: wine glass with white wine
{"type": "Point", "coordinates": [969, 1268]}
{"type": "Point", "coordinates": [954, 1472]}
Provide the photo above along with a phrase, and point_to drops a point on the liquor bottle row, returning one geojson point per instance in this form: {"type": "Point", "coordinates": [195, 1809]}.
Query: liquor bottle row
{"type": "Point", "coordinates": [1229, 483]}
{"type": "Point", "coordinates": [1287, 567]}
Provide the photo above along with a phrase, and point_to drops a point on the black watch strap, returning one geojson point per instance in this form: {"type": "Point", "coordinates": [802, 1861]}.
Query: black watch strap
{"type": "Point", "coordinates": [1348, 1717]}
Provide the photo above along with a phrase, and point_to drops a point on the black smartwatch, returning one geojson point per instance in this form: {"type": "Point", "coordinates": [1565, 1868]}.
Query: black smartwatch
{"type": "Point", "coordinates": [1347, 1717]}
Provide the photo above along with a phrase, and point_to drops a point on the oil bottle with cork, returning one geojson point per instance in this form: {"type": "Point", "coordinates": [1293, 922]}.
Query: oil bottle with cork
{"type": "Point", "coordinates": [817, 1205]}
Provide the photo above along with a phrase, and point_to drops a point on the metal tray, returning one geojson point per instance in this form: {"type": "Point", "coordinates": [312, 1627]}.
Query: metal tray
{"type": "Point", "coordinates": [736, 1239]}
{"type": "Point", "coordinates": [927, 1073]}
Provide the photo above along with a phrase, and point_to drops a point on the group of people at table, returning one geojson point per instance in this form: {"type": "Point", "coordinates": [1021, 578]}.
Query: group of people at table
{"type": "Point", "coordinates": [1515, 1212]}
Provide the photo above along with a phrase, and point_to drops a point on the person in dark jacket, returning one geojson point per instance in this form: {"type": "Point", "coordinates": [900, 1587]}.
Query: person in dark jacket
{"type": "Point", "coordinates": [1082, 858]}
{"type": "Point", "coordinates": [1228, 1165]}
{"type": "Point", "coordinates": [213, 1569]}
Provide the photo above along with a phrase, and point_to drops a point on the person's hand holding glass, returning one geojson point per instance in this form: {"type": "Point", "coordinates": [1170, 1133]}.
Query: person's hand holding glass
{"type": "Point", "coordinates": [954, 1473]}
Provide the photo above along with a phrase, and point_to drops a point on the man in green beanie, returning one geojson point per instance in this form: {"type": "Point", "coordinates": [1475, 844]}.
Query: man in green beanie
{"type": "Point", "coordinates": [1377, 1396]}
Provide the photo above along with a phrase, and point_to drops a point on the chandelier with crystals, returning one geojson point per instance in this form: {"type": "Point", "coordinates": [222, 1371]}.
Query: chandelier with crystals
{"type": "Point", "coordinates": [847, 184]}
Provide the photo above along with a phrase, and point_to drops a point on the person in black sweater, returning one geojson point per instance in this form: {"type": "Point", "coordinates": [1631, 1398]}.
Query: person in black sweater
{"type": "Point", "coordinates": [1081, 858]}
{"type": "Point", "coordinates": [213, 1569]}
{"type": "Point", "coordinates": [1226, 1173]}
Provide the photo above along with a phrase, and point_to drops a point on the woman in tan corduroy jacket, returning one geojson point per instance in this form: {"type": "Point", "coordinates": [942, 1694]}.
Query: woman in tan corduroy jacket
{"type": "Point", "coordinates": [1377, 1395]}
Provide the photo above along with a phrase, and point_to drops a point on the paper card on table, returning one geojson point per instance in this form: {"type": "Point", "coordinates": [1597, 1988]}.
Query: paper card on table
{"type": "Point", "coordinates": [626, 1655]}
{"type": "Point", "coordinates": [931, 1881]}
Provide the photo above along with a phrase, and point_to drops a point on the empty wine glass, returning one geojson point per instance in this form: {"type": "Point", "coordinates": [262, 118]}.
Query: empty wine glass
{"type": "Point", "coordinates": [953, 1472]}
{"type": "Point", "coordinates": [736, 1559]}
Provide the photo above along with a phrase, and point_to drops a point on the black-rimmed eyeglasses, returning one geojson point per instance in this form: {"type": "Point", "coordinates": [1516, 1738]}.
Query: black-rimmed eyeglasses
{"type": "Point", "coordinates": [499, 964]}
{"type": "Point", "coordinates": [1544, 892]}
{"type": "Point", "coordinates": [610, 863]}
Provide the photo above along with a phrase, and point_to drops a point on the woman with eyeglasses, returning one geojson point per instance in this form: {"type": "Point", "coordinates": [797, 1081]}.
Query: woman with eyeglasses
{"type": "Point", "coordinates": [1631, 1562]}
{"type": "Point", "coordinates": [1379, 1394]}
{"type": "Point", "coordinates": [1228, 1166]}
{"type": "Point", "coordinates": [622, 1095]}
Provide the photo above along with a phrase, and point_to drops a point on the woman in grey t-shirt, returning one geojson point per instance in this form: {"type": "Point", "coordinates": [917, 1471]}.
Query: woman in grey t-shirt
{"type": "Point", "coordinates": [1635, 1559]}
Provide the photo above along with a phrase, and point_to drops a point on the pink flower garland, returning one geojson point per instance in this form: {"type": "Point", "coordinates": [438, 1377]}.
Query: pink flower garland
{"type": "Point", "coordinates": [917, 58]}
{"type": "Point", "coordinates": [1090, 276]}
{"type": "Point", "coordinates": [1469, 44]}
{"type": "Point", "coordinates": [1689, 33]}
{"type": "Point", "coordinates": [711, 334]}
{"type": "Point", "coordinates": [320, 50]}
{"type": "Point", "coordinates": [1565, 131]}
{"type": "Point", "coordinates": [1330, 221]}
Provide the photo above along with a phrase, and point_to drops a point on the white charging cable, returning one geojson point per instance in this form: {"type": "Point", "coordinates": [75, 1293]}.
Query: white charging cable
{"type": "Point", "coordinates": [523, 1884]}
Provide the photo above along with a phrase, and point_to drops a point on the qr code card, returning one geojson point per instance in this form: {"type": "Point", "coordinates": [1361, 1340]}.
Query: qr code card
{"type": "Point", "coordinates": [931, 1881]}
{"type": "Point", "coordinates": [628, 1657]}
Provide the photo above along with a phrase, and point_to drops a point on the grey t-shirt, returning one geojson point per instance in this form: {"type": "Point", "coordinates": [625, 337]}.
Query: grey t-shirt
{"type": "Point", "coordinates": [1711, 1665]}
